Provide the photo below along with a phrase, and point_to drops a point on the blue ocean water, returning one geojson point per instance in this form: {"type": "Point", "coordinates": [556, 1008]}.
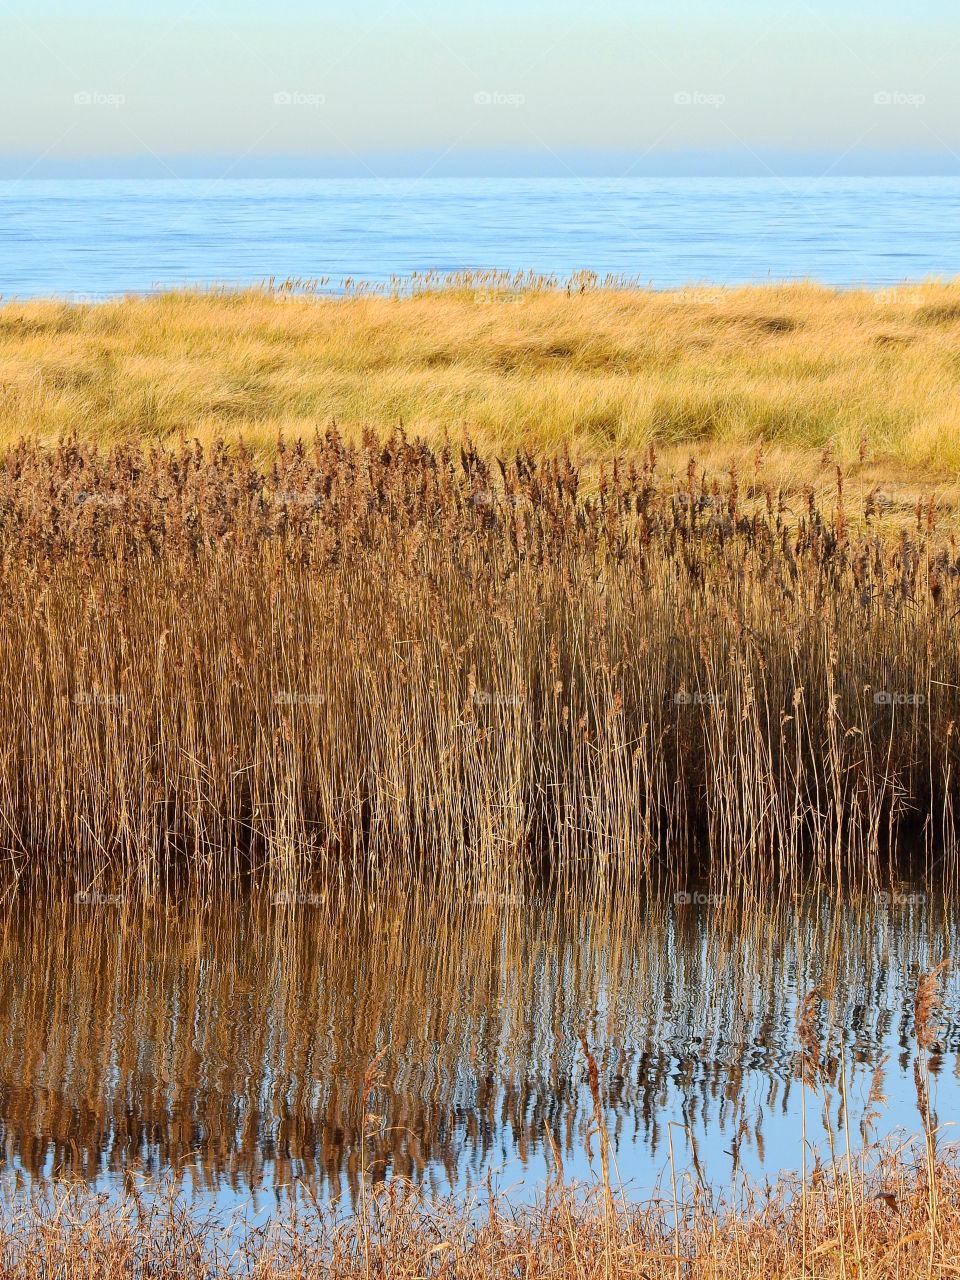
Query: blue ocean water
{"type": "Point", "coordinates": [96, 239]}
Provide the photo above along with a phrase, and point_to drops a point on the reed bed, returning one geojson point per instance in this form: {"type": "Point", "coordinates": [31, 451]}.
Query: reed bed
{"type": "Point", "coordinates": [366, 662]}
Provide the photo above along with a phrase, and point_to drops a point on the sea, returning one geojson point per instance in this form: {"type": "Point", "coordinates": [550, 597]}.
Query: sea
{"type": "Point", "coordinates": [88, 240]}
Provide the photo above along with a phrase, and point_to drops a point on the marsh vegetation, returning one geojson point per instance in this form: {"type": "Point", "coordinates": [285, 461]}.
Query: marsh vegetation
{"type": "Point", "coordinates": [369, 663]}
{"type": "Point", "coordinates": [378, 816]}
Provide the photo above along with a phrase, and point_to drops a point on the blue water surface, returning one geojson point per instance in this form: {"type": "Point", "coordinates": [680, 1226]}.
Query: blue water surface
{"type": "Point", "coordinates": [95, 239]}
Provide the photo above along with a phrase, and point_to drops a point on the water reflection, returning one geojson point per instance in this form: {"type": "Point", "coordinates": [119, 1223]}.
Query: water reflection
{"type": "Point", "coordinates": [229, 1041]}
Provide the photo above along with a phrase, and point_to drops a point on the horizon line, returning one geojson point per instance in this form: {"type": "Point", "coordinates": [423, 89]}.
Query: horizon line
{"type": "Point", "coordinates": [422, 164]}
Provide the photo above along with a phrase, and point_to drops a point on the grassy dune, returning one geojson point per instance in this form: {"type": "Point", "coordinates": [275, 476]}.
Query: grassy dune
{"type": "Point", "coordinates": [798, 369]}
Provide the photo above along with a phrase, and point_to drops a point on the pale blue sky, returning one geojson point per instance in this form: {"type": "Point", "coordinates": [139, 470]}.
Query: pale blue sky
{"type": "Point", "coordinates": [376, 84]}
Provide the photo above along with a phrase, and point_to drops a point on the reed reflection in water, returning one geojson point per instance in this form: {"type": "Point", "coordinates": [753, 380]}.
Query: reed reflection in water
{"type": "Point", "coordinates": [228, 1042]}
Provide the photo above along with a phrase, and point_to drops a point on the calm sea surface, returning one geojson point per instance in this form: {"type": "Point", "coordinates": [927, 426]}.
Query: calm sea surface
{"type": "Point", "coordinates": [95, 239]}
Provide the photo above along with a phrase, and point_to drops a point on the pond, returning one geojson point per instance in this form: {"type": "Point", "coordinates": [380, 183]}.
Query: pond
{"type": "Point", "coordinates": [229, 1044]}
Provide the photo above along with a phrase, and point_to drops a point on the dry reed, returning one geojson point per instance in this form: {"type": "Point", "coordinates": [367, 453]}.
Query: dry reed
{"type": "Point", "coordinates": [569, 1232]}
{"type": "Point", "coordinates": [381, 660]}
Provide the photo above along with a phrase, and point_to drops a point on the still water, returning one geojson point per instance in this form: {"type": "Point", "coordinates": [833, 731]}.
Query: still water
{"type": "Point", "coordinates": [95, 239]}
{"type": "Point", "coordinates": [227, 1045]}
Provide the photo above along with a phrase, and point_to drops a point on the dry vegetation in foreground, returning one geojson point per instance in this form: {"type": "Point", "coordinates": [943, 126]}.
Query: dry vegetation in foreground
{"type": "Point", "coordinates": [892, 1213]}
{"type": "Point", "coordinates": [373, 660]}
{"type": "Point", "coordinates": [875, 1227]}
{"type": "Point", "coordinates": [511, 362]}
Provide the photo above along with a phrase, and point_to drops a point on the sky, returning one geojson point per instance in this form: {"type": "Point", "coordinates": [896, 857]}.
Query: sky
{"type": "Point", "coordinates": [215, 88]}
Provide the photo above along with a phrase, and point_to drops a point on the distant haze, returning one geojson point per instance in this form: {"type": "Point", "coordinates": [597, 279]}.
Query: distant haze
{"type": "Point", "coordinates": [210, 88]}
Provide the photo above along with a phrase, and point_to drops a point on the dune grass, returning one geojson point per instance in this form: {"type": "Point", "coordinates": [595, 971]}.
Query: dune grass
{"type": "Point", "coordinates": [797, 369]}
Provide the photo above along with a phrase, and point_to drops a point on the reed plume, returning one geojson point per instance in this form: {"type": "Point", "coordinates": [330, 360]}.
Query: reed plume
{"type": "Point", "coordinates": [379, 659]}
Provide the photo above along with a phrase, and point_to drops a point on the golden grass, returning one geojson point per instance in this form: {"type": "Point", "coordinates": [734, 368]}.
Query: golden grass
{"type": "Point", "coordinates": [509, 363]}
{"type": "Point", "coordinates": [372, 661]}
